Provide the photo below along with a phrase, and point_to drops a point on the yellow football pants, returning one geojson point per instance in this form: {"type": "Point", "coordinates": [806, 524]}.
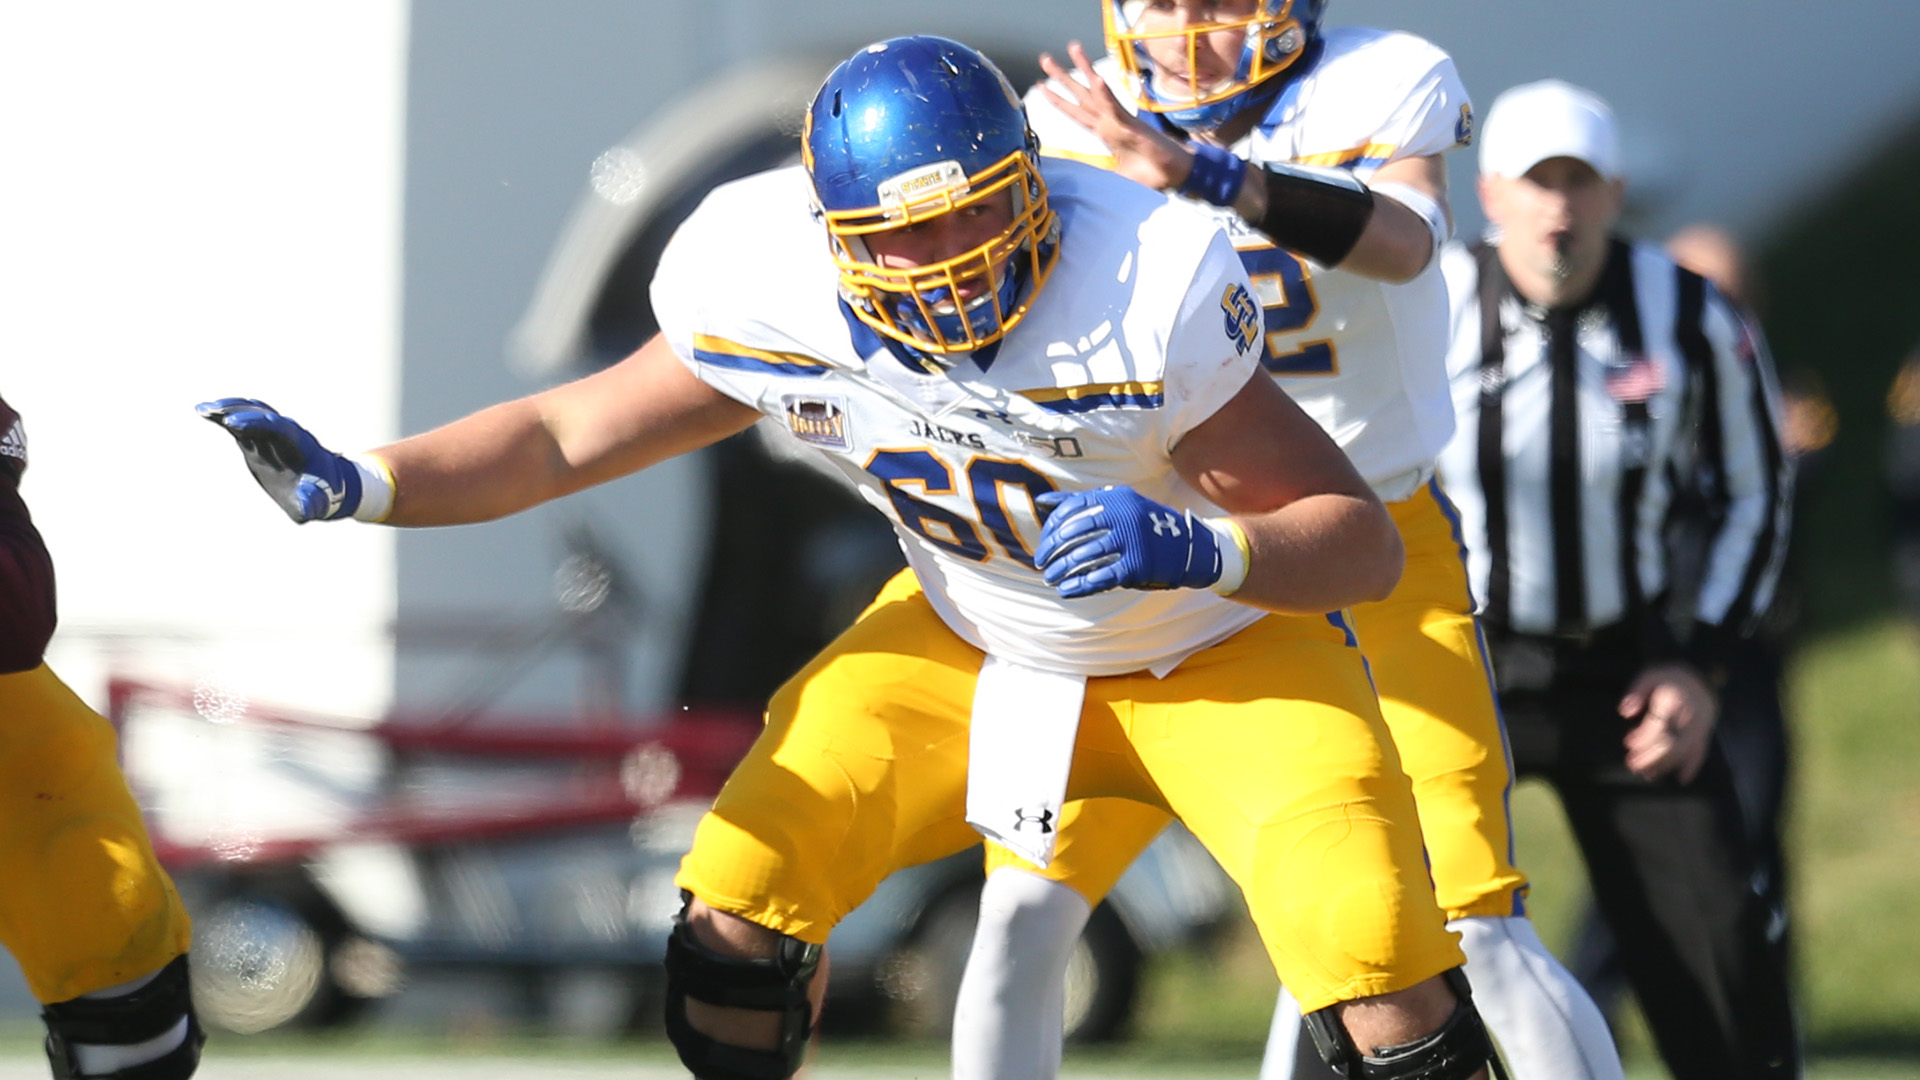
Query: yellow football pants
{"type": "Point", "coordinates": [1436, 694]}
{"type": "Point", "coordinates": [1269, 746]}
{"type": "Point", "coordinates": [84, 904]}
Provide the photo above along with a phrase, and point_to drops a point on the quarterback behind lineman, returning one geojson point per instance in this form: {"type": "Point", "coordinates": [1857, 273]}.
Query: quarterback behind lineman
{"type": "Point", "coordinates": [1049, 382]}
{"type": "Point", "coordinates": [1320, 153]}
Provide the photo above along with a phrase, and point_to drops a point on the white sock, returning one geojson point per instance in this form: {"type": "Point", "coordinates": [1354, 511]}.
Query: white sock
{"type": "Point", "coordinates": [1011, 1013]}
{"type": "Point", "coordinates": [1546, 1025]}
{"type": "Point", "coordinates": [98, 1060]}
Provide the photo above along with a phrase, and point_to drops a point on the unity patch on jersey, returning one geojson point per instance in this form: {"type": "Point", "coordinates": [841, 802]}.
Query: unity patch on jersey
{"type": "Point", "coordinates": [1243, 317]}
{"type": "Point", "coordinates": [821, 421]}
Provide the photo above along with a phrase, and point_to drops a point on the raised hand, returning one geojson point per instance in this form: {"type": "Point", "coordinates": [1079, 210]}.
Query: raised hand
{"type": "Point", "coordinates": [1140, 152]}
{"type": "Point", "coordinates": [307, 480]}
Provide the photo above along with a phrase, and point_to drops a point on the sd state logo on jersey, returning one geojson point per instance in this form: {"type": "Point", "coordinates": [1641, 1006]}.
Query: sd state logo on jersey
{"type": "Point", "coordinates": [821, 421]}
{"type": "Point", "coordinates": [1243, 317]}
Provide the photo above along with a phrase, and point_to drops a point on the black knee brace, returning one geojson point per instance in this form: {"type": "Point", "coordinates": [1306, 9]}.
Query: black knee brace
{"type": "Point", "coordinates": [1457, 1050]}
{"type": "Point", "coordinates": [778, 984]}
{"type": "Point", "coordinates": [146, 1013]}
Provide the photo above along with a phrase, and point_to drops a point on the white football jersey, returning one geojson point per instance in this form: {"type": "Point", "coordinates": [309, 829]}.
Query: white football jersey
{"type": "Point", "coordinates": [1365, 358]}
{"type": "Point", "coordinates": [1145, 328]}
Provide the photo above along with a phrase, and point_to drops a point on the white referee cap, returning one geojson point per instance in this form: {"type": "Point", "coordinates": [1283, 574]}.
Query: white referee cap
{"type": "Point", "coordinates": [1547, 119]}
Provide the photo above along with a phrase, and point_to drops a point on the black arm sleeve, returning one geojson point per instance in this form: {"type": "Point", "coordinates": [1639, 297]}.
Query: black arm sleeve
{"type": "Point", "coordinates": [1319, 213]}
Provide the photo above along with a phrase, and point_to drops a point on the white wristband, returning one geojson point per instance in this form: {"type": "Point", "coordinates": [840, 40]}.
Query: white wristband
{"type": "Point", "coordinates": [1423, 207]}
{"type": "Point", "coordinates": [376, 488]}
{"type": "Point", "coordinates": [1234, 554]}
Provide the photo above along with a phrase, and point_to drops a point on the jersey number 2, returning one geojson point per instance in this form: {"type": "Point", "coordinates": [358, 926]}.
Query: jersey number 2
{"type": "Point", "coordinates": [987, 481]}
{"type": "Point", "coordinates": [1281, 281]}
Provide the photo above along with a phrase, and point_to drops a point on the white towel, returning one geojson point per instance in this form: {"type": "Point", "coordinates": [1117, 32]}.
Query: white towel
{"type": "Point", "coordinates": [1020, 751]}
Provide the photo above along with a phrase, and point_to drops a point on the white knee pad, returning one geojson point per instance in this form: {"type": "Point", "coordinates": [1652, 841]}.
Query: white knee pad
{"type": "Point", "coordinates": [1546, 1025]}
{"type": "Point", "coordinates": [1009, 1020]}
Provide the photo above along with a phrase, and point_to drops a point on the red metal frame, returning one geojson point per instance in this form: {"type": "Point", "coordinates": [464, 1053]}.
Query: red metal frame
{"type": "Point", "coordinates": [705, 744]}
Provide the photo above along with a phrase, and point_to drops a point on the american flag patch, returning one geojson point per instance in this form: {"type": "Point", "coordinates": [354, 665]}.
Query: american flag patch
{"type": "Point", "coordinates": [1636, 380]}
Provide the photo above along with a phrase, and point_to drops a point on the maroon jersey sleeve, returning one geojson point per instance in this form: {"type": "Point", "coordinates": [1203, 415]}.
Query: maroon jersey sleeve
{"type": "Point", "coordinates": [26, 570]}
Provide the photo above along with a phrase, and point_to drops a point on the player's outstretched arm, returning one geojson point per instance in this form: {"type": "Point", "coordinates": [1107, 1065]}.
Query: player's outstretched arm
{"type": "Point", "coordinates": [500, 460]}
{"type": "Point", "coordinates": [1318, 538]}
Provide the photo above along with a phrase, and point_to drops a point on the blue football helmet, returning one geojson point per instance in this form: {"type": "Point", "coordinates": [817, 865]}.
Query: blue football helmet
{"type": "Point", "coordinates": [1276, 34]}
{"type": "Point", "coordinates": [907, 130]}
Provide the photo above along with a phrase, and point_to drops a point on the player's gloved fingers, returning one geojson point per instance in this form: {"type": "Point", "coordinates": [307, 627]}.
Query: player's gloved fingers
{"type": "Point", "coordinates": [1069, 555]}
{"type": "Point", "coordinates": [247, 420]}
{"type": "Point", "coordinates": [1058, 545]}
{"type": "Point", "coordinates": [1049, 501]}
{"type": "Point", "coordinates": [218, 409]}
{"type": "Point", "coordinates": [1104, 577]}
{"type": "Point", "coordinates": [1054, 540]}
{"type": "Point", "coordinates": [1089, 562]}
{"type": "Point", "coordinates": [1073, 518]}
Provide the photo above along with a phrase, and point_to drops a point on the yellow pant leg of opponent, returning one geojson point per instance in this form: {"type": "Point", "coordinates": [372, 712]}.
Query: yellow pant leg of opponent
{"type": "Point", "coordinates": [1436, 695]}
{"type": "Point", "coordinates": [84, 904]}
{"type": "Point", "coordinates": [1269, 746]}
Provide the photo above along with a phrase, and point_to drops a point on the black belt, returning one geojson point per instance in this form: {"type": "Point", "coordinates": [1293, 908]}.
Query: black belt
{"type": "Point", "coordinates": [1539, 661]}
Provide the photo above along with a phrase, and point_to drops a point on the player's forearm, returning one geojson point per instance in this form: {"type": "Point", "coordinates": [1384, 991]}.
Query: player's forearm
{"type": "Point", "coordinates": [513, 456]}
{"type": "Point", "coordinates": [1320, 553]}
{"type": "Point", "coordinates": [1394, 246]}
{"type": "Point", "coordinates": [496, 462]}
{"type": "Point", "coordinates": [1392, 229]}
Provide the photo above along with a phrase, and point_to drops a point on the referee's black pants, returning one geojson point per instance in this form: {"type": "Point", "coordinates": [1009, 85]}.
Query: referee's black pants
{"type": "Point", "coordinates": [1671, 868]}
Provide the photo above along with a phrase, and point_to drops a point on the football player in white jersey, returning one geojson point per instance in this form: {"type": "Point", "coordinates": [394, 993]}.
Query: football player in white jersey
{"type": "Point", "coordinates": [1127, 542]}
{"type": "Point", "coordinates": [1320, 152]}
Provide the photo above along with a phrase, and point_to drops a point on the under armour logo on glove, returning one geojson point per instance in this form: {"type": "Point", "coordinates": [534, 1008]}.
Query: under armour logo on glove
{"type": "Point", "coordinates": [307, 480]}
{"type": "Point", "coordinates": [1117, 538]}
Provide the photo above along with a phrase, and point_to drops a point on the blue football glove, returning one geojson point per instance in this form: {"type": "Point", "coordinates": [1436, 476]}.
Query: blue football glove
{"type": "Point", "coordinates": [1117, 538]}
{"type": "Point", "coordinates": [307, 480]}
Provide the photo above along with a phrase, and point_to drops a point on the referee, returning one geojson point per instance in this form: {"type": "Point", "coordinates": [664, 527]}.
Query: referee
{"type": "Point", "coordinates": [1594, 381]}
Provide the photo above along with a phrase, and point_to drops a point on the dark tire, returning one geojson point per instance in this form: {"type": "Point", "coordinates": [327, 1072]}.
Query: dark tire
{"type": "Point", "coordinates": [921, 980]}
{"type": "Point", "coordinates": [1103, 980]}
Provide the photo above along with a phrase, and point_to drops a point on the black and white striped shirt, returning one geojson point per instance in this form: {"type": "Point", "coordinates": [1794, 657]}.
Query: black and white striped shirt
{"type": "Point", "coordinates": [1576, 429]}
